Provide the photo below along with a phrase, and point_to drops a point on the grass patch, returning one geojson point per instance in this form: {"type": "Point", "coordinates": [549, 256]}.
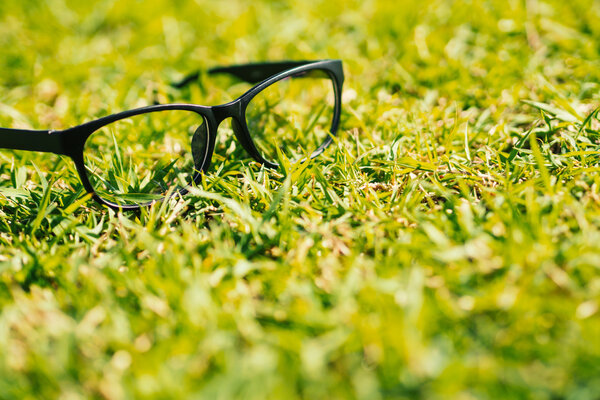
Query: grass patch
{"type": "Point", "coordinates": [446, 245]}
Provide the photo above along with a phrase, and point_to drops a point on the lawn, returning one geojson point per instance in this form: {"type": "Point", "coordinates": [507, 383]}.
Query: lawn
{"type": "Point", "coordinates": [446, 245]}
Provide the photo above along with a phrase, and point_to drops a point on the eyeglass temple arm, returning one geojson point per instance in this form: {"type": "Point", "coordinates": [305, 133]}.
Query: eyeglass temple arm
{"type": "Point", "coordinates": [23, 139]}
{"type": "Point", "coordinates": [251, 73]}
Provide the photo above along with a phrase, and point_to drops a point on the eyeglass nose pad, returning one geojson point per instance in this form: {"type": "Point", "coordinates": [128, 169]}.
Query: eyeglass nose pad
{"type": "Point", "coordinates": [242, 137]}
{"type": "Point", "coordinates": [249, 145]}
{"type": "Point", "coordinates": [199, 145]}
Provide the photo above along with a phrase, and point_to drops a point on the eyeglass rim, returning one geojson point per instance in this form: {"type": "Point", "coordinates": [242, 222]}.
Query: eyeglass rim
{"type": "Point", "coordinates": [247, 98]}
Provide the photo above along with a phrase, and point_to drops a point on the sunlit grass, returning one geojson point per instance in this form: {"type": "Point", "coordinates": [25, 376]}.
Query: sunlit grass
{"type": "Point", "coordinates": [445, 246]}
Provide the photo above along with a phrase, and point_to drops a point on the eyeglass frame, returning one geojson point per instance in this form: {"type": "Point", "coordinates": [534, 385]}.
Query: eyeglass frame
{"type": "Point", "coordinates": [70, 142]}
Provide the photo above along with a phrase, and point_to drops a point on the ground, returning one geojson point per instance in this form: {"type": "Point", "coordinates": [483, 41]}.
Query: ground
{"type": "Point", "coordinates": [447, 245]}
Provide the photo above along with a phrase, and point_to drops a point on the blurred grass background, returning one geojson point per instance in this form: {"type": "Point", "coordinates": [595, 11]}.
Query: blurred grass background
{"type": "Point", "coordinates": [446, 246]}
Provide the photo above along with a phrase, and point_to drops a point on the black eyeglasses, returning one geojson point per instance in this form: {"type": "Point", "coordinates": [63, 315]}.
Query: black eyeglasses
{"type": "Point", "coordinates": [134, 158]}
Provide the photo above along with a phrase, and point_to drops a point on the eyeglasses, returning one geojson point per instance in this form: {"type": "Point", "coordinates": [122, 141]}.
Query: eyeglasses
{"type": "Point", "coordinates": [137, 157]}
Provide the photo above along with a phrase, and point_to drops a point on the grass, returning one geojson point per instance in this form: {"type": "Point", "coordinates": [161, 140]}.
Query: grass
{"type": "Point", "coordinates": [447, 245]}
